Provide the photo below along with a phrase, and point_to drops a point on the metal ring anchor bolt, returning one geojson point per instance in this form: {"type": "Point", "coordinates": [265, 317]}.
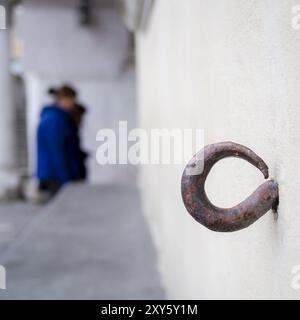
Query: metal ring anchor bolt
{"type": "Point", "coordinates": [264, 198]}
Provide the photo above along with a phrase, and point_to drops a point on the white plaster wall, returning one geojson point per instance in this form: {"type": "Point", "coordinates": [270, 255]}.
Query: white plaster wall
{"type": "Point", "coordinates": [8, 177]}
{"type": "Point", "coordinates": [94, 59]}
{"type": "Point", "coordinates": [233, 68]}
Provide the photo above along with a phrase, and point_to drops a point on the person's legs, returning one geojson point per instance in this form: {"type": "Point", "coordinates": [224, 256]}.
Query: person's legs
{"type": "Point", "coordinates": [51, 187]}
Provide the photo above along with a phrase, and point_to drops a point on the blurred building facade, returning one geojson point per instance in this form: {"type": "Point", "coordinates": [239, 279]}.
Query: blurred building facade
{"type": "Point", "coordinates": [48, 43]}
{"type": "Point", "coordinates": [8, 176]}
{"type": "Point", "coordinates": [95, 58]}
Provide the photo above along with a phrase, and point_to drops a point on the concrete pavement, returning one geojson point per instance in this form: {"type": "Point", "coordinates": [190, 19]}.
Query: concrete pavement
{"type": "Point", "coordinates": [91, 242]}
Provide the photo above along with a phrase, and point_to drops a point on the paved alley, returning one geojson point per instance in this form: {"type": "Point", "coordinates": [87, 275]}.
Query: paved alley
{"type": "Point", "coordinates": [91, 242]}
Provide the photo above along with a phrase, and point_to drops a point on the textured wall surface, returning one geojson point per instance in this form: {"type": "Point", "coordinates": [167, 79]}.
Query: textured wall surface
{"type": "Point", "coordinates": [233, 69]}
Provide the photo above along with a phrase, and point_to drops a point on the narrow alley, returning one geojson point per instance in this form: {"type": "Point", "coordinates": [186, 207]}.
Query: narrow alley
{"type": "Point", "coordinates": [123, 113]}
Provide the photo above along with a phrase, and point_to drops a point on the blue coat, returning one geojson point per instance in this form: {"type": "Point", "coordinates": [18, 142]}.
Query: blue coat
{"type": "Point", "coordinates": [57, 145]}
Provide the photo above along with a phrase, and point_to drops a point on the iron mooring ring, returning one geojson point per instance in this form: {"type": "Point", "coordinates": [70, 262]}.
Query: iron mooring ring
{"type": "Point", "coordinates": [264, 198]}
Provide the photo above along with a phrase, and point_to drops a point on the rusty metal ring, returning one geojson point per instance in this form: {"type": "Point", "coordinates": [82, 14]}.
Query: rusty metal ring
{"type": "Point", "coordinates": [264, 198]}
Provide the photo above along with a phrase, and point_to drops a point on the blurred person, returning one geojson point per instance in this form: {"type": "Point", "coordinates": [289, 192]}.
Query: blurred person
{"type": "Point", "coordinates": [57, 152]}
{"type": "Point", "coordinates": [77, 114]}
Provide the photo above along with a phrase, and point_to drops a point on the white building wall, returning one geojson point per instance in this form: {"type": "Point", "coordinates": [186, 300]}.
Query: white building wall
{"type": "Point", "coordinates": [8, 177]}
{"type": "Point", "coordinates": [232, 68]}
